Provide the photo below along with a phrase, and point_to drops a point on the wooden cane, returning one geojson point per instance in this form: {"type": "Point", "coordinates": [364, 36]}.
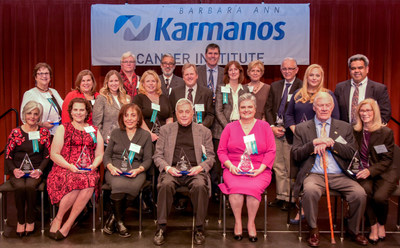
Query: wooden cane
{"type": "Point", "coordinates": [328, 198]}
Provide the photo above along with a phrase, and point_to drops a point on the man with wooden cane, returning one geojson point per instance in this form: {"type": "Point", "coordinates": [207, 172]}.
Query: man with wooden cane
{"type": "Point", "coordinates": [332, 139]}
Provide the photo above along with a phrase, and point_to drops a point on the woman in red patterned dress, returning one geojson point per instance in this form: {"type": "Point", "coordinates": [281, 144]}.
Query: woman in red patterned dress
{"type": "Point", "coordinates": [67, 184]}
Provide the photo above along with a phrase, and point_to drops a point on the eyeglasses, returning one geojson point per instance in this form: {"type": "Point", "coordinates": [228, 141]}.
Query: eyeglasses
{"type": "Point", "coordinates": [167, 63]}
{"type": "Point", "coordinates": [366, 111]}
{"type": "Point", "coordinates": [128, 62]}
{"type": "Point", "coordinates": [41, 74]}
{"type": "Point", "coordinates": [289, 69]}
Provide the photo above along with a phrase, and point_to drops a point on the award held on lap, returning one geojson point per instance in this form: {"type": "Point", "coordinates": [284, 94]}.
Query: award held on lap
{"type": "Point", "coordinates": [84, 160]}
{"type": "Point", "coordinates": [156, 127]}
{"type": "Point", "coordinates": [125, 165]}
{"type": "Point", "coordinates": [355, 165]}
{"type": "Point", "coordinates": [26, 166]}
{"type": "Point", "coordinates": [245, 165]}
{"type": "Point", "coordinates": [183, 164]}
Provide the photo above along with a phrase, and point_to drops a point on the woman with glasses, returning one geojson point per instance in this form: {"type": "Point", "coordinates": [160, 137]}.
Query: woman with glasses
{"type": "Point", "coordinates": [129, 77]}
{"type": "Point", "coordinates": [46, 96]}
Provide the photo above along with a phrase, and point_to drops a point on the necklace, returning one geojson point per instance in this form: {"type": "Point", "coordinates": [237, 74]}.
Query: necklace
{"type": "Point", "coordinates": [256, 86]}
{"type": "Point", "coordinates": [42, 89]}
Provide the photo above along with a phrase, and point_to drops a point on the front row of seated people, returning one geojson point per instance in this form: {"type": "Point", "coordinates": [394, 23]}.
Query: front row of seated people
{"type": "Point", "coordinates": [241, 149]}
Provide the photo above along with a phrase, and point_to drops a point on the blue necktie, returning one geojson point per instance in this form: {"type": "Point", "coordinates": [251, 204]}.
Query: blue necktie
{"type": "Point", "coordinates": [281, 110]}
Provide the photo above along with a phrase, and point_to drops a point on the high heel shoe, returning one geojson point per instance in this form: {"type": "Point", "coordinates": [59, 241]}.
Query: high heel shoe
{"type": "Point", "coordinates": [60, 236]}
{"type": "Point", "coordinates": [373, 241]}
{"type": "Point", "coordinates": [20, 234]}
{"type": "Point", "coordinates": [253, 238]}
{"type": "Point", "coordinates": [238, 237]}
{"type": "Point", "coordinates": [382, 238]}
{"type": "Point", "coordinates": [27, 233]}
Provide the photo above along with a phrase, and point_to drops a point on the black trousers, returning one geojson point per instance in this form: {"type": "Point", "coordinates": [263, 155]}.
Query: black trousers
{"type": "Point", "coordinates": [378, 193]}
{"type": "Point", "coordinates": [25, 192]}
{"type": "Point", "coordinates": [198, 192]}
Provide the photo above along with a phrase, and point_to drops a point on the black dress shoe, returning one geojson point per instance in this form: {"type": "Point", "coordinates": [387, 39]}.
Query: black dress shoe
{"type": "Point", "coordinates": [199, 238]}
{"type": "Point", "coordinates": [122, 230]}
{"type": "Point", "coordinates": [159, 238]}
{"type": "Point", "coordinates": [253, 238]}
{"type": "Point", "coordinates": [360, 239]}
{"type": "Point", "coordinates": [313, 239]}
{"type": "Point", "coordinates": [286, 206]}
{"type": "Point", "coordinates": [238, 237]}
{"type": "Point", "coordinates": [59, 236]}
{"type": "Point", "coordinates": [109, 227]}
{"type": "Point", "coordinates": [276, 203]}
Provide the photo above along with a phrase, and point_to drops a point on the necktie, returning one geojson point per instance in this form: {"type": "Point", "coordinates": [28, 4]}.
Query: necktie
{"type": "Point", "coordinates": [354, 104]}
{"type": "Point", "coordinates": [190, 96]}
{"type": "Point", "coordinates": [167, 83]}
{"type": "Point", "coordinates": [210, 83]}
{"type": "Point", "coordinates": [281, 110]}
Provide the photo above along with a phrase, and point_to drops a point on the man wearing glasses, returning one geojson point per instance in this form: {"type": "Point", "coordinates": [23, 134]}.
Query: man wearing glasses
{"type": "Point", "coordinates": [279, 95]}
{"type": "Point", "coordinates": [129, 77]}
{"type": "Point", "coordinates": [168, 79]}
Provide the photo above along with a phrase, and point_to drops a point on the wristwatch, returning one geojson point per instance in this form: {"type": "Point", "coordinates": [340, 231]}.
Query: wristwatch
{"type": "Point", "coordinates": [40, 171]}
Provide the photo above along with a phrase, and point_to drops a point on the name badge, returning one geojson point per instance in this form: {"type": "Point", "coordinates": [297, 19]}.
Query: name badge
{"type": "Point", "coordinates": [155, 106]}
{"type": "Point", "coordinates": [251, 88]}
{"type": "Point", "coordinates": [138, 83]}
{"type": "Point", "coordinates": [289, 97]}
{"type": "Point", "coordinates": [225, 89]}
{"type": "Point", "coordinates": [170, 90]}
{"type": "Point", "coordinates": [134, 148]}
{"type": "Point", "coordinates": [47, 95]}
{"type": "Point", "coordinates": [89, 129]}
{"type": "Point", "coordinates": [380, 149]}
{"type": "Point", "coordinates": [341, 140]}
{"type": "Point", "coordinates": [203, 149]}
{"type": "Point", "coordinates": [35, 135]}
{"type": "Point", "coordinates": [249, 138]}
{"type": "Point", "coordinates": [199, 107]}
{"type": "Point", "coordinates": [92, 101]}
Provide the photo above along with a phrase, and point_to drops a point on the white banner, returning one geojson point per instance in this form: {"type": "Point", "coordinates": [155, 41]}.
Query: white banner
{"type": "Point", "coordinates": [244, 32]}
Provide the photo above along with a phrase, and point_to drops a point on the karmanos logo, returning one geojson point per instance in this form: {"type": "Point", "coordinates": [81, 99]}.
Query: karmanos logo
{"type": "Point", "coordinates": [128, 33]}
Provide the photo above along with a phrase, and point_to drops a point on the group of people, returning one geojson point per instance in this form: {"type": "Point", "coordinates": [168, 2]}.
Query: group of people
{"type": "Point", "coordinates": [193, 130]}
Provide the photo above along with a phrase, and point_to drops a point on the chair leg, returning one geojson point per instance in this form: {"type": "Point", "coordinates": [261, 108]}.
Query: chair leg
{"type": "Point", "coordinates": [335, 213]}
{"type": "Point", "coordinates": [220, 209]}
{"type": "Point", "coordinates": [140, 211]}
{"type": "Point", "coordinates": [398, 213]}
{"type": "Point", "coordinates": [300, 206]}
{"type": "Point", "coordinates": [101, 210]}
{"type": "Point", "coordinates": [94, 211]}
{"type": "Point", "coordinates": [265, 215]}
{"type": "Point", "coordinates": [290, 207]}
{"type": "Point", "coordinates": [42, 209]}
{"type": "Point", "coordinates": [1, 214]}
{"type": "Point", "coordinates": [224, 215]}
{"type": "Point", "coordinates": [341, 220]}
{"type": "Point", "coordinates": [5, 207]}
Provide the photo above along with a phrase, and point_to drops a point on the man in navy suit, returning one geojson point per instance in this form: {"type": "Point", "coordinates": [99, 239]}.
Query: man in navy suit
{"type": "Point", "coordinates": [360, 87]}
{"type": "Point", "coordinates": [168, 79]}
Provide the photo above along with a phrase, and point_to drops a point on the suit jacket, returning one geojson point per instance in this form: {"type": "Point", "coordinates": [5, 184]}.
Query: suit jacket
{"type": "Point", "coordinates": [175, 82]}
{"type": "Point", "coordinates": [203, 80]}
{"type": "Point", "coordinates": [380, 164]}
{"type": "Point", "coordinates": [223, 111]}
{"type": "Point", "coordinates": [303, 148]}
{"type": "Point", "coordinates": [165, 146]}
{"type": "Point", "coordinates": [274, 100]}
{"type": "Point", "coordinates": [374, 90]}
{"type": "Point", "coordinates": [203, 96]}
{"type": "Point", "coordinates": [105, 115]}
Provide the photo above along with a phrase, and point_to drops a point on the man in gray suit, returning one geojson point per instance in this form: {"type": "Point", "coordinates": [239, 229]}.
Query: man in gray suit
{"type": "Point", "coordinates": [168, 79]}
{"type": "Point", "coordinates": [210, 74]}
{"type": "Point", "coordinates": [186, 141]}
{"type": "Point", "coordinates": [333, 139]}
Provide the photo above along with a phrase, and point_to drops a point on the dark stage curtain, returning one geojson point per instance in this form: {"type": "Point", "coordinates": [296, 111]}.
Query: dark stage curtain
{"type": "Point", "coordinates": [58, 32]}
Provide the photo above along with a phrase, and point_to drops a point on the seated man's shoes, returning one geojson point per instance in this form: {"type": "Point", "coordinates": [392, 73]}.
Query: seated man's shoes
{"type": "Point", "coordinates": [276, 203]}
{"type": "Point", "coordinates": [199, 238]}
{"type": "Point", "coordinates": [360, 239]}
{"type": "Point", "coordinates": [313, 240]}
{"type": "Point", "coordinates": [286, 206]}
{"type": "Point", "coordinates": [159, 237]}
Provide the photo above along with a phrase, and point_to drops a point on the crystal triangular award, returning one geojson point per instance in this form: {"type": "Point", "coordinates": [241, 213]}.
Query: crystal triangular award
{"type": "Point", "coordinates": [125, 164]}
{"type": "Point", "coordinates": [303, 118]}
{"type": "Point", "coordinates": [355, 166]}
{"type": "Point", "coordinates": [245, 164]}
{"type": "Point", "coordinates": [156, 127]}
{"type": "Point", "coordinates": [183, 164]}
{"type": "Point", "coordinates": [84, 160]}
{"type": "Point", "coordinates": [26, 165]}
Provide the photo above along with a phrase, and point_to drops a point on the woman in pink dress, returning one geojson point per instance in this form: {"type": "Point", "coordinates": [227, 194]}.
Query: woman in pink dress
{"type": "Point", "coordinates": [242, 140]}
{"type": "Point", "coordinates": [77, 150]}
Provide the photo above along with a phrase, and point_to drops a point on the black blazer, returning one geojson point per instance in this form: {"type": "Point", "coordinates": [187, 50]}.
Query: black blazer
{"type": "Point", "coordinates": [374, 90]}
{"type": "Point", "coordinates": [175, 82]}
{"type": "Point", "coordinates": [203, 96]}
{"type": "Point", "coordinates": [202, 73]}
{"type": "Point", "coordinates": [274, 100]}
{"type": "Point", "coordinates": [380, 164]}
{"type": "Point", "coordinates": [303, 148]}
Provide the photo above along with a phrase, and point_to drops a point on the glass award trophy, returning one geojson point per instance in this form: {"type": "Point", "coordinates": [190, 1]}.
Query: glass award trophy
{"type": "Point", "coordinates": [156, 127]}
{"type": "Point", "coordinates": [26, 166]}
{"type": "Point", "coordinates": [184, 164]}
{"type": "Point", "coordinates": [125, 165]}
{"type": "Point", "coordinates": [54, 116]}
{"type": "Point", "coordinates": [245, 165]}
{"type": "Point", "coordinates": [303, 118]}
{"type": "Point", "coordinates": [355, 165]}
{"type": "Point", "coordinates": [84, 160]}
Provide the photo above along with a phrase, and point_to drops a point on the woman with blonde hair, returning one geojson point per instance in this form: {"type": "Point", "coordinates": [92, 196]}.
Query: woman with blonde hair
{"type": "Point", "coordinates": [260, 90]}
{"type": "Point", "coordinates": [376, 174]}
{"type": "Point", "coordinates": [154, 105]}
{"type": "Point", "coordinates": [112, 97]}
{"type": "Point", "coordinates": [300, 107]}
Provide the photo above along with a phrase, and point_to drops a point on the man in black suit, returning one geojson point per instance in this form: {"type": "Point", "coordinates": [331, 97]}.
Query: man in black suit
{"type": "Point", "coordinates": [351, 92]}
{"type": "Point", "coordinates": [274, 112]}
{"type": "Point", "coordinates": [330, 141]}
{"type": "Point", "coordinates": [200, 96]}
{"type": "Point", "coordinates": [168, 79]}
